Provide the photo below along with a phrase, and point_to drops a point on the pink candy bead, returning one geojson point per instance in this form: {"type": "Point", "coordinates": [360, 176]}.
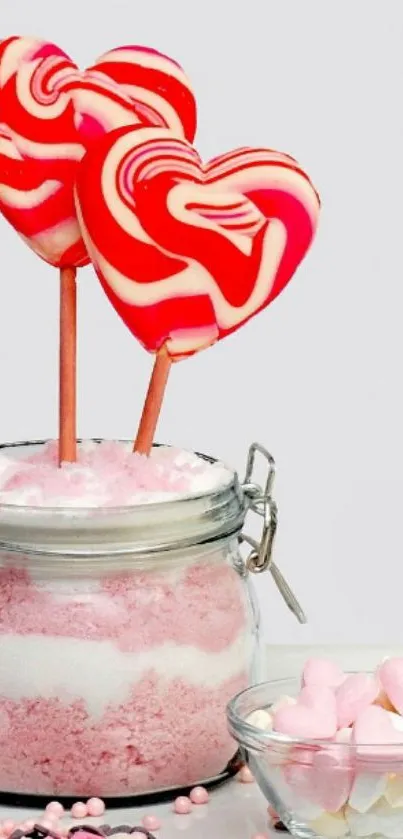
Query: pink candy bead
{"type": "Point", "coordinates": [199, 795]}
{"type": "Point", "coordinates": [8, 826]}
{"type": "Point", "coordinates": [95, 807]}
{"type": "Point", "coordinates": [28, 825]}
{"type": "Point", "coordinates": [55, 808]}
{"type": "Point", "coordinates": [151, 823]}
{"type": "Point", "coordinates": [245, 776]}
{"type": "Point", "coordinates": [260, 836]}
{"type": "Point", "coordinates": [79, 810]}
{"type": "Point", "coordinates": [182, 805]}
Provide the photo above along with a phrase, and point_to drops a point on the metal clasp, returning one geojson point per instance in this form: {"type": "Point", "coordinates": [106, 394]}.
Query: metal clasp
{"type": "Point", "coordinates": [262, 503]}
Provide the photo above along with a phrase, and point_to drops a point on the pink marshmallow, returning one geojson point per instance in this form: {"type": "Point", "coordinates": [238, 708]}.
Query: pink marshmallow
{"type": "Point", "coordinates": [391, 677]}
{"type": "Point", "coordinates": [356, 693]}
{"type": "Point", "coordinates": [312, 717]}
{"type": "Point", "coordinates": [322, 672]}
{"type": "Point", "coordinates": [326, 782]}
{"type": "Point", "coordinates": [375, 735]}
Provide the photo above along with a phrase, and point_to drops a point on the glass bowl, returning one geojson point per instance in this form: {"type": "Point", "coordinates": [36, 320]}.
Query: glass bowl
{"type": "Point", "coordinates": [320, 788]}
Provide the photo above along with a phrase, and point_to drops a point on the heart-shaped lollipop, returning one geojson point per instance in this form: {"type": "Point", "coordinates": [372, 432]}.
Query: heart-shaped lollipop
{"type": "Point", "coordinates": [51, 112]}
{"type": "Point", "coordinates": [189, 251]}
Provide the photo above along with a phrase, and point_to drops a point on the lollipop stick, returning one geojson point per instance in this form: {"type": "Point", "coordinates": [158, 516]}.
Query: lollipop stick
{"type": "Point", "coordinates": [153, 403]}
{"type": "Point", "coordinates": [67, 368]}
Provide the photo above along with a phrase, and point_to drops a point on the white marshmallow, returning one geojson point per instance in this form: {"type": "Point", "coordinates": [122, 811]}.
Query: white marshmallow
{"type": "Point", "coordinates": [394, 791]}
{"type": "Point", "coordinates": [367, 789]}
{"type": "Point", "coordinates": [381, 819]}
{"type": "Point", "coordinates": [344, 735]}
{"type": "Point", "coordinates": [330, 825]}
{"type": "Point", "coordinates": [260, 719]}
{"type": "Point", "coordinates": [396, 720]}
{"type": "Point", "coordinates": [282, 702]}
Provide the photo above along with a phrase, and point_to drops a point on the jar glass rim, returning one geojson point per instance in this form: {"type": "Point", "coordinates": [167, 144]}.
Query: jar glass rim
{"type": "Point", "coordinates": [190, 519]}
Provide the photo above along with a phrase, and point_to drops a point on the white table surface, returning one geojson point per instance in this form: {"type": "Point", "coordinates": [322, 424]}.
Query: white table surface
{"type": "Point", "coordinates": [236, 811]}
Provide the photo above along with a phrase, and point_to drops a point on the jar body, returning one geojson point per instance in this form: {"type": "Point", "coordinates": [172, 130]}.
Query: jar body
{"type": "Point", "coordinates": [115, 672]}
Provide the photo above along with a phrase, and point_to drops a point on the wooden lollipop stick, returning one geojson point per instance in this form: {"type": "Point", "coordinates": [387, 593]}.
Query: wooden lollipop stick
{"type": "Point", "coordinates": [67, 368]}
{"type": "Point", "coordinates": [153, 403]}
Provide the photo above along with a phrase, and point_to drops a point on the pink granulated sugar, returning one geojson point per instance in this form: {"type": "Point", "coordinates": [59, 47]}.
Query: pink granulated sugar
{"type": "Point", "coordinates": [205, 608]}
{"type": "Point", "coordinates": [106, 474]}
{"type": "Point", "coordinates": [168, 733]}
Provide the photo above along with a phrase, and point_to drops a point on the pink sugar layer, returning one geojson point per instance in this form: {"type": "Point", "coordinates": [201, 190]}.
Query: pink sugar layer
{"type": "Point", "coordinates": [106, 474]}
{"type": "Point", "coordinates": [167, 733]}
{"type": "Point", "coordinates": [205, 608]}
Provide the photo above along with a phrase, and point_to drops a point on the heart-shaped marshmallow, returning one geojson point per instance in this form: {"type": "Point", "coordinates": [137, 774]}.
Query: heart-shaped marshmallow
{"type": "Point", "coordinates": [188, 252]}
{"type": "Point", "coordinates": [390, 675]}
{"type": "Point", "coordinates": [313, 716]}
{"type": "Point", "coordinates": [376, 735]}
{"type": "Point", "coordinates": [51, 112]}
{"type": "Point", "coordinates": [326, 781]}
{"type": "Point", "coordinates": [322, 672]}
{"type": "Point", "coordinates": [355, 694]}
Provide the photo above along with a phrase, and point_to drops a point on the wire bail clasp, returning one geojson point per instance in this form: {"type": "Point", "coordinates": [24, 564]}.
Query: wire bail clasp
{"type": "Point", "coordinates": [262, 503]}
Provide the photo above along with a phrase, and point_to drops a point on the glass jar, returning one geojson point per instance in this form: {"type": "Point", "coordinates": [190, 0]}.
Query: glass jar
{"type": "Point", "coordinates": [124, 632]}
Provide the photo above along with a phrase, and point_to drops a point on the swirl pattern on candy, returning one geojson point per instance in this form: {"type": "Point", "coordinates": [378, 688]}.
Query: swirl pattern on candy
{"type": "Point", "coordinates": [189, 251]}
{"type": "Point", "coordinates": [51, 112]}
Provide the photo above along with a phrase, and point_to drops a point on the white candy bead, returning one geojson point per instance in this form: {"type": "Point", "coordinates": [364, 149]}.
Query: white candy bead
{"type": "Point", "coordinates": [367, 789]}
{"type": "Point", "coordinates": [261, 719]}
{"type": "Point", "coordinates": [394, 791]}
{"type": "Point", "coordinates": [330, 825]}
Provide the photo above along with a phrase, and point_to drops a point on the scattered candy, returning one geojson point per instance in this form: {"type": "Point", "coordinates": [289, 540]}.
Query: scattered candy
{"type": "Point", "coordinates": [151, 822]}
{"type": "Point", "coordinates": [199, 795]}
{"type": "Point", "coordinates": [95, 807]}
{"type": "Point", "coordinates": [56, 808]}
{"type": "Point", "coordinates": [79, 810]}
{"type": "Point", "coordinates": [182, 805]}
{"type": "Point", "coordinates": [170, 233]}
{"type": "Point", "coordinates": [245, 776]}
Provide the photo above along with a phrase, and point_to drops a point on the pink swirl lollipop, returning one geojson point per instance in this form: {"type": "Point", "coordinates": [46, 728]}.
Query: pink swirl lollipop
{"type": "Point", "coordinates": [188, 251]}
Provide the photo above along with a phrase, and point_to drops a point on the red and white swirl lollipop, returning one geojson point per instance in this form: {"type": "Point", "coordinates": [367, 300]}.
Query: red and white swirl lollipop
{"type": "Point", "coordinates": [50, 113]}
{"type": "Point", "coordinates": [188, 251]}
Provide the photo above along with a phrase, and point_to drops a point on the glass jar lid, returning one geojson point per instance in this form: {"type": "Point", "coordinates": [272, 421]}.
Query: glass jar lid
{"type": "Point", "coordinates": [69, 532]}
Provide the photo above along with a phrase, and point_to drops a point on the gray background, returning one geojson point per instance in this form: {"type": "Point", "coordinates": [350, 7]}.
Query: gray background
{"type": "Point", "coordinates": [317, 377]}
